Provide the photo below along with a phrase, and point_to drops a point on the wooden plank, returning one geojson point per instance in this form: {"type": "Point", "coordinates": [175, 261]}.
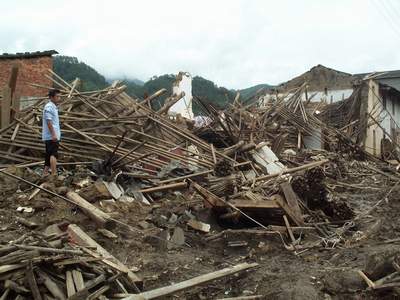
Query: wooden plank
{"type": "Point", "coordinates": [386, 286]}
{"type": "Point", "coordinates": [16, 129]}
{"type": "Point", "coordinates": [5, 107]}
{"type": "Point", "coordinates": [89, 138]}
{"type": "Point", "coordinates": [292, 199]}
{"type": "Point", "coordinates": [78, 280]}
{"type": "Point", "coordinates": [213, 154]}
{"type": "Point", "coordinates": [75, 261]}
{"type": "Point", "coordinates": [52, 287]}
{"type": "Point", "coordinates": [12, 285]}
{"type": "Point", "coordinates": [32, 282]}
{"type": "Point", "coordinates": [38, 249]}
{"type": "Point", "coordinates": [366, 279]}
{"type": "Point", "coordinates": [289, 171]}
{"type": "Point", "coordinates": [386, 278]}
{"type": "Point", "coordinates": [211, 199]}
{"type": "Point", "coordinates": [174, 288]}
{"type": "Point", "coordinates": [289, 229]}
{"type": "Point", "coordinates": [99, 292]}
{"type": "Point", "coordinates": [74, 85]}
{"type": "Point", "coordinates": [216, 201]}
{"type": "Point", "coordinates": [70, 284]}
{"type": "Point", "coordinates": [171, 186]}
{"type": "Point", "coordinates": [169, 102]}
{"type": "Point", "coordinates": [7, 268]}
{"type": "Point", "coordinates": [186, 176]}
{"type": "Point", "coordinates": [282, 203]}
{"type": "Point", "coordinates": [83, 294]}
{"type": "Point", "coordinates": [101, 218]}
{"type": "Point", "coordinates": [5, 294]}
{"type": "Point", "coordinates": [279, 143]}
{"type": "Point", "coordinates": [18, 256]}
{"type": "Point", "coordinates": [241, 203]}
{"type": "Point", "coordinates": [79, 237]}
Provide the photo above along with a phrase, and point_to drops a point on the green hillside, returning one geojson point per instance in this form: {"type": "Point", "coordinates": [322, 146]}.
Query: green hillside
{"type": "Point", "coordinates": [70, 67]}
{"type": "Point", "coordinates": [252, 91]}
{"type": "Point", "coordinates": [201, 88]}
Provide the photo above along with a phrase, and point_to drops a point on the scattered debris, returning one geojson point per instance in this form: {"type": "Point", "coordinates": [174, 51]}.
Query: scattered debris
{"type": "Point", "coordinates": [235, 186]}
{"type": "Point", "coordinates": [199, 225]}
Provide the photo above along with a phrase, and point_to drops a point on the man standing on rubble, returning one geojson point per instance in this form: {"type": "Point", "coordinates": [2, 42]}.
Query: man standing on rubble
{"type": "Point", "coordinates": [51, 133]}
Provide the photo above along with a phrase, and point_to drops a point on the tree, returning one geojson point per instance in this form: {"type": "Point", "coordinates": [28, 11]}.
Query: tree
{"type": "Point", "coordinates": [69, 68]}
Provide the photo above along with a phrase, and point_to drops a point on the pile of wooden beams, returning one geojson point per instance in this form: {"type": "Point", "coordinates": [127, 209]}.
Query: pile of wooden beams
{"type": "Point", "coordinates": [99, 124]}
{"type": "Point", "coordinates": [126, 136]}
{"type": "Point", "coordinates": [62, 265]}
{"type": "Point", "coordinates": [71, 265]}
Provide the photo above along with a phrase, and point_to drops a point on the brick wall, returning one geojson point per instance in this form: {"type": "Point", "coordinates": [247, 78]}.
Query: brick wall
{"type": "Point", "coordinates": [31, 70]}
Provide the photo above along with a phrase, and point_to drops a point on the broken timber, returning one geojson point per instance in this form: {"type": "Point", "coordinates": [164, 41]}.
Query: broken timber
{"type": "Point", "coordinates": [101, 218]}
{"type": "Point", "coordinates": [79, 237]}
{"type": "Point", "coordinates": [172, 289]}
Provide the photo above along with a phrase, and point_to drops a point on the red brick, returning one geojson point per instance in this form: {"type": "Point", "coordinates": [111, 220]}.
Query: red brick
{"type": "Point", "coordinates": [31, 70]}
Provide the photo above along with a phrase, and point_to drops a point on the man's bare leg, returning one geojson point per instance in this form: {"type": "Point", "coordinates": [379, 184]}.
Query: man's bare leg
{"type": "Point", "coordinates": [53, 165]}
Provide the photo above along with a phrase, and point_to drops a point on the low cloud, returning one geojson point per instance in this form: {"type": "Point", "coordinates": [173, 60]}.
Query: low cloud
{"type": "Point", "coordinates": [234, 43]}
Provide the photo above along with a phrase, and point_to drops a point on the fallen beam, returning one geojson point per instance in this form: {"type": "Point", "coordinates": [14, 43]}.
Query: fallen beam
{"type": "Point", "coordinates": [172, 186]}
{"type": "Point", "coordinates": [289, 171]}
{"type": "Point", "coordinates": [174, 288]}
{"type": "Point", "coordinates": [79, 237]}
{"type": "Point", "coordinates": [101, 218]}
{"type": "Point", "coordinates": [292, 200]}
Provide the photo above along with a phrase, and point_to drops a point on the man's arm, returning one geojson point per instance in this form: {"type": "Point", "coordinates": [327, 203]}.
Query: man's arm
{"type": "Point", "coordinates": [52, 131]}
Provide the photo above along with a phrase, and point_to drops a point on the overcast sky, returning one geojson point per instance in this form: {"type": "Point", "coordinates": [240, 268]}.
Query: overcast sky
{"type": "Point", "coordinates": [236, 44]}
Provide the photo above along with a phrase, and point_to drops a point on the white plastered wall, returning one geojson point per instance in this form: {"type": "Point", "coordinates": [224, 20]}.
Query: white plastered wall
{"type": "Point", "coordinates": [183, 107]}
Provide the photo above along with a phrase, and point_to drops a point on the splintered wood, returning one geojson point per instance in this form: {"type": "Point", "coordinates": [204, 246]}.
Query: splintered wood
{"type": "Point", "coordinates": [93, 123]}
{"type": "Point", "coordinates": [62, 273]}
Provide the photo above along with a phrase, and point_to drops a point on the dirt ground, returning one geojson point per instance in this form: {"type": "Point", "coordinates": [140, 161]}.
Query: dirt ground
{"type": "Point", "coordinates": [317, 273]}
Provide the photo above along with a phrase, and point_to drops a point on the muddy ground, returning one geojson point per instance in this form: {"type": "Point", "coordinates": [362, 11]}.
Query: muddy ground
{"type": "Point", "coordinates": [317, 273]}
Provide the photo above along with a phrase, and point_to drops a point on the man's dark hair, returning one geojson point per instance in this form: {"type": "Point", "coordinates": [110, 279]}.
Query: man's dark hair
{"type": "Point", "coordinates": [54, 92]}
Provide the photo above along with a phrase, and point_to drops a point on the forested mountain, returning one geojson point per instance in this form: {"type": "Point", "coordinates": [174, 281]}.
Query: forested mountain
{"type": "Point", "coordinates": [70, 67]}
{"type": "Point", "coordinates": [209, 91]}
{"type": "Point", "coordinates": [251, 91]}
{"type": "Point", "coordinates": [202, 88]}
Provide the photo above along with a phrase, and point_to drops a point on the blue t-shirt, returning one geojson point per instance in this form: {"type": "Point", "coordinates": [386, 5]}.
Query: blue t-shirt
{"type": "Point", "coordinates": [50, 112]}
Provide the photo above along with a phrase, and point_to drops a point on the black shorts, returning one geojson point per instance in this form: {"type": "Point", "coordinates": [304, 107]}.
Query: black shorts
{"type": "Point", "coordinates": [51, 150]}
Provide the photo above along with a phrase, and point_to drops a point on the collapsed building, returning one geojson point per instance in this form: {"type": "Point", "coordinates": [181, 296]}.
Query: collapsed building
{"type": "Point", "coordinates": [365, 106]}
{"type": "Point", "coordinates": [151, 203]}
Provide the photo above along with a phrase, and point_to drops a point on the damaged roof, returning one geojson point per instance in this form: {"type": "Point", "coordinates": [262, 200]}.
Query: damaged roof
{"type": "Point", "coordinates": [389, 74]}
{"type": "Point", "coordinates": [380, 75]}
{"type": "Point", "coordinates": [28, 54]}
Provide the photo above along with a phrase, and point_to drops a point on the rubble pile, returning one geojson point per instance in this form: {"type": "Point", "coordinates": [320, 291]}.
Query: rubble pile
{"type": "Point", "coordinates": [128, 172]}
{"type": "Point", "coordinates": [44, 262]}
